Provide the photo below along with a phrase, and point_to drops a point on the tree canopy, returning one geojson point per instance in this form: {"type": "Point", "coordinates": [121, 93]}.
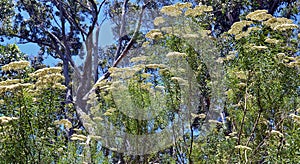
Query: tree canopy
{"type": "Point", "coordinates": [184, 82]}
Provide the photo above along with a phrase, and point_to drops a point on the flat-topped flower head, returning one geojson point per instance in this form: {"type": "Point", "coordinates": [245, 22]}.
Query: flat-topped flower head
{"type": "Point", "coordinates": [67, 124]}
{"type": "Point", "coordinates": [154, 34]}
{"type": "Point", "coordinates": [17, 65]}
{"type": "Point", "coordinates": [10, 81]}
{"type": "Point", "coordinates": [78, 137]}
{"type": "Point", "coordinates": [171, 11]}
{"type": "Point", "coordinates": [259, 48]}
{"type": "Point", "coordinates": [175, 55]}
{"type": "Point", "coordinates": [284, 27]}
{"type": "Point", "coordinates": [273, 22]}
{"type": "Point", "coordinates": [259, 15]}
{"type": "Point", "coordinates": [158, 20]}
{"type": "Point", "coordinates": [183, 5]}
{"type": "Point", "coordinates": [46, 71]}
{"type": "Point", "coordinates": [242, 147]}
{"type": "Point", "coordinates": [246, 33]}
{"type": "Point", "coordinates": [271, 41]}
{"type": "Point", "coordinates": [14, 87]}
{"type": "Point", "coordinates": [237, 27]}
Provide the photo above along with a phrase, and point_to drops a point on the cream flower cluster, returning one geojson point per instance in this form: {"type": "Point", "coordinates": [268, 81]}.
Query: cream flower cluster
{"type": "Point", "coordinates": [259, 15]}
{"type": "Point", "coordinates": [45, 71]}
{"type": "Point", "coordinates": [246, 33]}
{"type": "Point", "coordinates": [67, 124]}
{"type": "Point", "coordinates": [271, 41]}
{"type": "Point", "coordinates": [274, 22]}
{"type": "Point", "coordinates": [279, 24]}
{"type": "Point", "coordinates": [13, 87]}
{"type": "Point", "coordinates": [4, 119]}
{"type": "Point", "coordinates": [49, 76]}
{"type": "Point", "coordinates": [183, 5]}
{"type": "Point", "coordinates": [260, 48]}
{"type": "Point", "coordinates": [154, 34]}
{"type": "Point", "coordinates": [242, 147]}
{"type": "Point", "coordinates": [17, 65]}
{"type": "Point", "coordinates": [175, 54]}
{"type": "Point", "coordinates": [237, 27]}
{"type": "Point", "coordinates": [158, 20]}
{"type": "Point", "coordinates": [198, 10]}
{"type": "Point", "coordinates": [284, 27]}
{"type": "Point", "coordinates": [171, 10]}
{"type": "Point", "coordinates": [78, 137]}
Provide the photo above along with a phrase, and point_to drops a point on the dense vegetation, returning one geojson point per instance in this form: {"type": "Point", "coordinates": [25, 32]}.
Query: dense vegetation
{"type": "Point", "coordinates": [193, 82]}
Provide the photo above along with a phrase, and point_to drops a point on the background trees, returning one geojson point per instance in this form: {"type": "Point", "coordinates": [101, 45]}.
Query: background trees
{"type": "Point", "coordinates": [260, 53]}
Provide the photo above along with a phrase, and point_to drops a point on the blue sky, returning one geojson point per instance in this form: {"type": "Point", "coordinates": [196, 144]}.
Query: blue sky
{"type": "Point", "coordinates": [32, 49]}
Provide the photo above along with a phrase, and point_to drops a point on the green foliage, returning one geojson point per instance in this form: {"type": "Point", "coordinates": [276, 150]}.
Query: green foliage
{"type": "Point", "coordinates": [260, 55]}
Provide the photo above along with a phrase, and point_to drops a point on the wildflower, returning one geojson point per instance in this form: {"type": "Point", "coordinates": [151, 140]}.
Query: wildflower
{"type": "Point", "coordinates": [284, 27]}
{"type": "Point", "coordinates": [259, 15]}
{"type": "Point", "coordinates": [220, 60]}
{"type": "Point", "coordinates": [178, 79]}
{"type": "Point", "coordinates": [11, 81]}
{"type": "Point", "coordinates": [273, 22]}
{"type": "Point", "coordinates": [5, 119]}
{"type": "Point", "coordinates": [111, 110]}
{"type": "Point", "coordinates": [241, 85]}
{"type": "Point", "coordinates": [46, 71]}
{"type": "Point", "coordinates": [95, 137]}
{"type": "Point", "coordinates": [154, 66]}
{"type": "Point", "coordinates": [154, 34]}
{"type": "Point", "coordinates": [295, 117]}
{"type": "Point", "coordinates": [60, 149]}
{"type": "Point", "coordinates": [98, 118]}
{"type": "Point", "coordinates": [138, 58]}
{"type": "Point", "coordinates": [232, 134]}
{"type": "Point", "coordinates": [242, 147]}
{"type": "Point", "coordinates": [145, 44]}
{"type": "Point", "coordinates": [64, 122]}
{"type": "Point", "coordinates": [230, 57]}
{"type": "Point", "coordinates": [13, 87]}
{"type": "Point", "coordinates": [59, 86]}
{"type": "Point", "coordinates": [175, 54]}
{"type": "Point", "coordinates": [237, 27]}
{"type": "Point", "coordinates": [158, 20]}
{"type": "Point", "coordinates": [146, 86]}
{"type": "Point", "coordinates": [145, 75]}
{"type": "Point", "coordinates": [79, 137]}
{"type": "Point", "coordinates": [259, 47]}
{"type": "Point", "coordinates": [107, 113]}
{"type": "Point", "coordinates": [171, 11]}
{"type": "Point", "coordinates": [198, 10]}
{"type": "Point", "coordinates": [17, 65]}
{"type": "Point", "coordinates": [271, 41]}
{"type": "Point", "coordinates": [183, 5]}
{"type": "Point", "coordinates": [190, 36]}
{"type": "Point", "coordinates": [241, 75]}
